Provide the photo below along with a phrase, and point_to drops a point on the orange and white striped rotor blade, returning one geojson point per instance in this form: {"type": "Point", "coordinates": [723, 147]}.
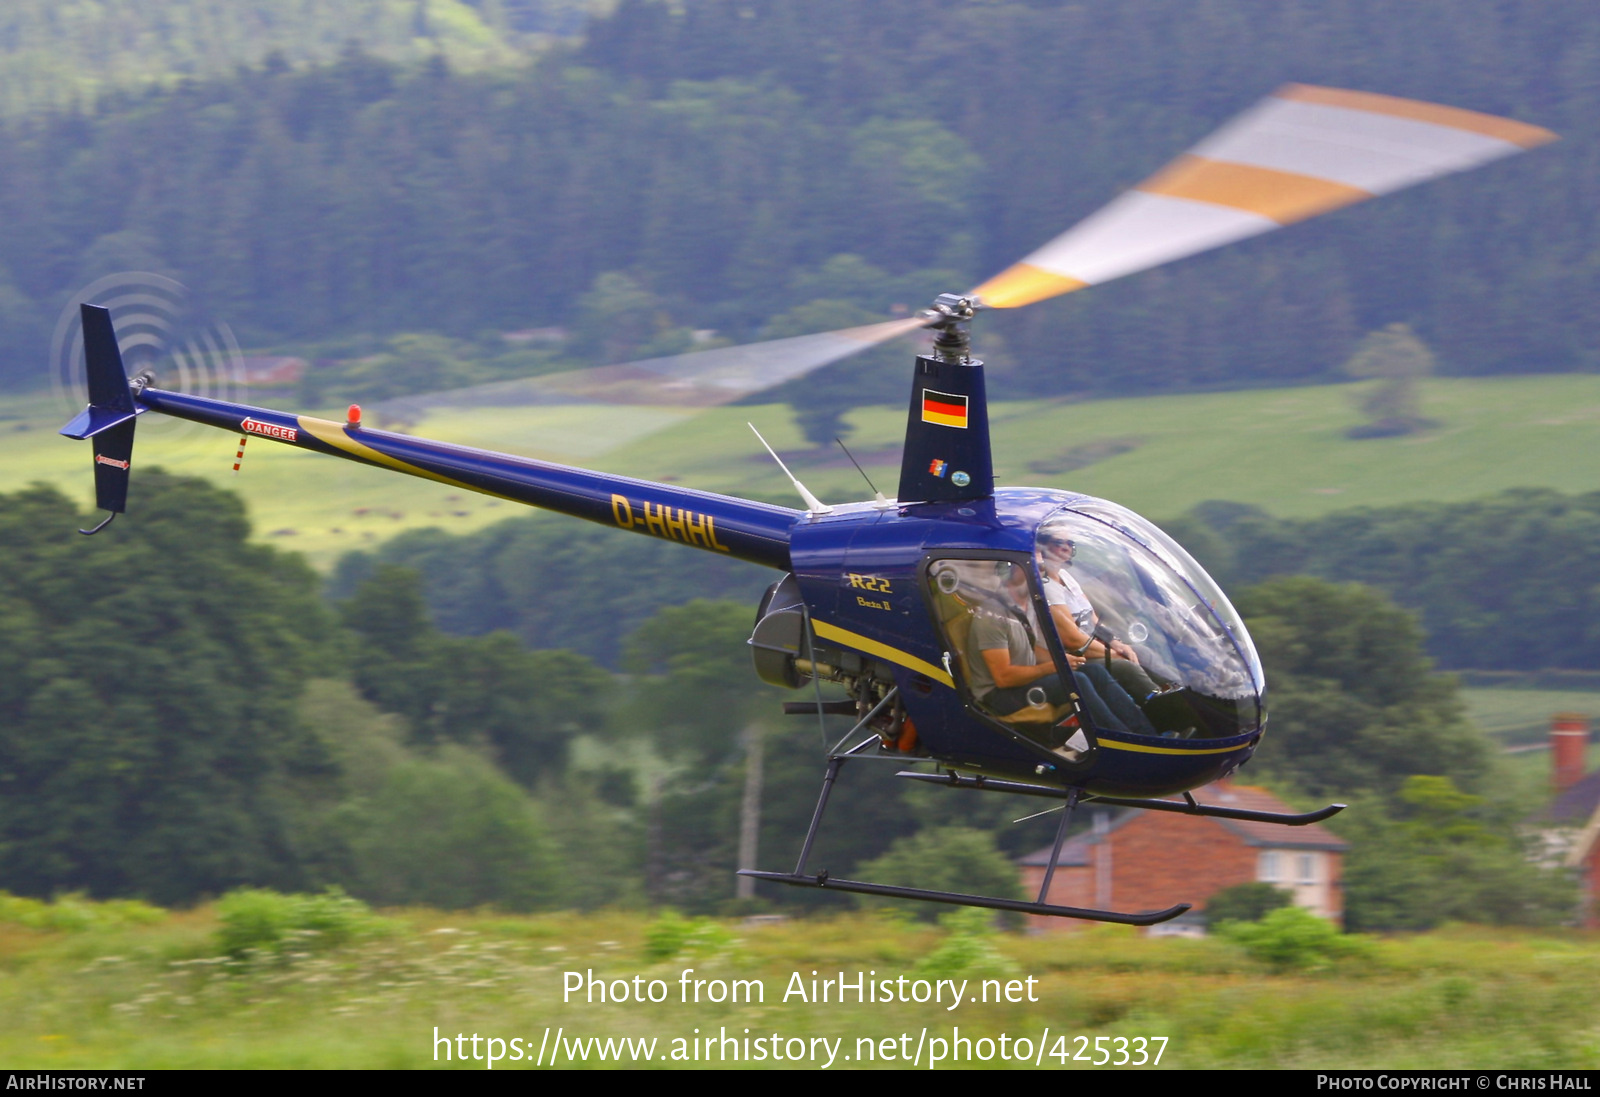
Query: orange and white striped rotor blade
{"type": "Point", "coordinates": [1300, 152]}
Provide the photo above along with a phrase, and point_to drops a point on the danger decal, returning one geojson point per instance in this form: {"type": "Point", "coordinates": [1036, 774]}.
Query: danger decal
{"type": "Point", "coordinates": [269, 430]}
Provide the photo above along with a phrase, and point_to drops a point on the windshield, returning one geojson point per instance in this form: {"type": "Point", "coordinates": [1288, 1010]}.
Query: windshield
{"type": "Point", "coordinates": [1124, 593]}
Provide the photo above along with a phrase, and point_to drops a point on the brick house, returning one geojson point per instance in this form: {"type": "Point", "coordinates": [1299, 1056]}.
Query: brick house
{"type": "Point", "coordinates": [1147, 860]}
{"type": "Point", "coordinates": [1570, 826]}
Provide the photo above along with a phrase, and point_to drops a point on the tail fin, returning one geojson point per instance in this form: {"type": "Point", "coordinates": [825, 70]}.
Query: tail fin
{"type": "Point", "coordinates": [947, 455]}
{"type": "Point", "coordinates": [111, 415]}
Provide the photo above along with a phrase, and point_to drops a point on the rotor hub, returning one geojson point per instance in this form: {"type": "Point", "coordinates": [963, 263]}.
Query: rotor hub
{"type": "Point", "coordinates": [948, 316]}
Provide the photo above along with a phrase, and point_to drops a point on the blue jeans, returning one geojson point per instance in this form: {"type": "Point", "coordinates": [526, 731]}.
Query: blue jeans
{"type": "Point", "coordinates": [1108, 704]}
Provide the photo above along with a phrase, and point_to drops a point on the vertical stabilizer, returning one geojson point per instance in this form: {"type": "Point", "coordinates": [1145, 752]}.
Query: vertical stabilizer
{"type": "Point", "coordinates": [111, 415]}
{"type": "Point", "coordinates": [947, 455]}
{"type": "Point", "coordinates": [108, 380]}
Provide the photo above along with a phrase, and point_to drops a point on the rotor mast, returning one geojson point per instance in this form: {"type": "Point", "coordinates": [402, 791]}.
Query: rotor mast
{"type": "Point", "coordinates": [949, 316]}
{"type": "Point", "coordinates": [947, 457]}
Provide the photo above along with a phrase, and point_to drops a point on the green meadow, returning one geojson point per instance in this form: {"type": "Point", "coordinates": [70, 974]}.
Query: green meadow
{"type": "Point", "coordinates": [1519, 720]}
{"type": "Point", "coordinates": [1521, 717]}
{"type": "Point", "coordinates": [95, 992]}
{"type": "Point", "coordinates": [1281, 449]}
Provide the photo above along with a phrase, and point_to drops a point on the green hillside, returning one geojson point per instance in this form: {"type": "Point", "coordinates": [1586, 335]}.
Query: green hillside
{"type": "Point", "coordinates": [687, 167]}
{"type": "Point", "coordinates": [63, 52]}
{"type": "Point", "coordinates": [1281, 449]}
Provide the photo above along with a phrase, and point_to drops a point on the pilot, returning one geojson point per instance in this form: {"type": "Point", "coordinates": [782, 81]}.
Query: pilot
{"type": "Point", "coordinates": [1012, 662]}
{"type": "Point", "coordinates": [1076, 620]}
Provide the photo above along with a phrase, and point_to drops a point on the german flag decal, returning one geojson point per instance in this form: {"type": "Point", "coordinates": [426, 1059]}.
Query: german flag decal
{"type": "Point", "coordinates": [944, 409]}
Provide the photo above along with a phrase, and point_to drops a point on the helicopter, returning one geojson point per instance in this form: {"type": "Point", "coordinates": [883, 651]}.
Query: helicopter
{"type": "Point", "coordinates": [1034, 642]}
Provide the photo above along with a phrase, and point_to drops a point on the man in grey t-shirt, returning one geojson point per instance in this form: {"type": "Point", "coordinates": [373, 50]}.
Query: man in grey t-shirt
{"type": "Point", "coordinates": [1008, 660]}
{"type": "Point", "coordinates": [1011, 662]}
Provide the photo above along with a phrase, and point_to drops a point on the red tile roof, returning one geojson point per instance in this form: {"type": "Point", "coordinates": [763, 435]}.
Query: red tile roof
{"type": "Point", "coordinates": [1575, 805]}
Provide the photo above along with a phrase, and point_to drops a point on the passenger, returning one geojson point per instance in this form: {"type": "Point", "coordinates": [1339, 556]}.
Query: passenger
{"type": "Point", "coordinates": [1076, 620]}
{"type": "Point", "coordinates": [1011, 662]}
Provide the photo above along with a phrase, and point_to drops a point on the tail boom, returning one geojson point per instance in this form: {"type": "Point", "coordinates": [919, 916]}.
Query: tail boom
{"type": "Point", "coordinates": [740, 528]}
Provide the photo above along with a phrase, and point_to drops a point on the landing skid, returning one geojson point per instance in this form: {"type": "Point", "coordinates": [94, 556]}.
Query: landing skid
{"type": "Point", "coordinates": [800, 878]}
{"type": "Point", "coordinates": [955, 898]}
{"type": "Point", "coordinates": [1186, 806]}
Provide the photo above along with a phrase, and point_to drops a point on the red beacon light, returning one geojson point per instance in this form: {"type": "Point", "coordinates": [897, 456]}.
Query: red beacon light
{"type": "Point", "coordinates": [353, 417]}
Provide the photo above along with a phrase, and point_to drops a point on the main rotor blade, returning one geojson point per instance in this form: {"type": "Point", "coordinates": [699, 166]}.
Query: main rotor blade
{"type": "Point", "coordinates": [699, 379]}
{"type": "Point", "coordinates": [1301, 151]}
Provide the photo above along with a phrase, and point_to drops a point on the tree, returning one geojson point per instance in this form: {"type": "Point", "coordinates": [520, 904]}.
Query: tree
{"type": "Point", "coordinates": [1292, 937]}
{"type": "Point", "coordinates": [694, 689]}
{"type": "Point", "coordinates": [1439, 854]}
{"type": "Point", "coordinates": [525, 706]}
{"type": "Point", "coordinates": [148, 683]}
{"type": "Point", "coordinates": [956, 859]}
{"type": "Point", "coordinates": [1503, 583]}
{"type": "Point", "coordinates": [1245, 902]}
{"type": "Point", "coordinates": [394, 664]}
{"type": "Point", "coordinates": [617, 317]}
{"type": "Point", "coordinates": [553, 581]}
{"type": "Point", "coordinates": [1355, 706]}
{"type": "Point", "coordinates": [1397, 359]}
{"type": "Point", "coordinates": [450, 832]}
{"type": "Point", "coordinates": [1357, 714]}
{"type": "Point", "coordinates": [694, 692]}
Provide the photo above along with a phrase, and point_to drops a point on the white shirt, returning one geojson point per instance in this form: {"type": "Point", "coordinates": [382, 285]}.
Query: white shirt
{"type": "Point", "coordinates": [1061, 589]}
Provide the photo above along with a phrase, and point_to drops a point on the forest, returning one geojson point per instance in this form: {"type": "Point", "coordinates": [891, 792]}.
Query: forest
{"type": "Point", "coordinates": [216, 723]}
{"type": "Point", "coordinates": [695, 161]}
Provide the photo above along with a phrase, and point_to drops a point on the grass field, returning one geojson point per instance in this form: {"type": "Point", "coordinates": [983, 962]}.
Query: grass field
{"type": "Point", "coordinates": [1281, 449]}
{"type": "Point", "coordinates": [160, 995]}
{"type": "Point", "coordinates": [1519, 719]}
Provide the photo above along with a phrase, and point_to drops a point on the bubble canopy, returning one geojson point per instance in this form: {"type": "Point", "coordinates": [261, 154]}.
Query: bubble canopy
{"type": "Point", "coordinates": [1115, 583]}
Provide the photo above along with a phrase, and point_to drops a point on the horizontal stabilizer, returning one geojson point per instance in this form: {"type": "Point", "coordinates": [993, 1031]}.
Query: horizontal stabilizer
{"type": "Point", "coordinates": [93, 420]}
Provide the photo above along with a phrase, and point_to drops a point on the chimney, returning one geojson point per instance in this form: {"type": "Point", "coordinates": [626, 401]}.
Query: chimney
{"type": "Point", "coordinates": [1569, 742]}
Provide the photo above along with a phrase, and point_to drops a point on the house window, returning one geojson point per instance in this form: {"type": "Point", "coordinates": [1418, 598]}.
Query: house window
{"type": "Point", "coordinates": [1271, 869]}
{"type": "Point", "coordinates": [1306, 868]}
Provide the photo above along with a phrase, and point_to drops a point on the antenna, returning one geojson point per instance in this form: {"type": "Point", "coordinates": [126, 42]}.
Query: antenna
{"type": "Point", "coordinates": [813, 504]}
{"type": "Point", "coordinates": [877, 495]}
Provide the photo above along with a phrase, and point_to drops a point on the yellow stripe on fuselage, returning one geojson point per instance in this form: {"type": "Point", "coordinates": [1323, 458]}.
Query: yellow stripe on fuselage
{"type": "Point", "coordinates": [1139, 748]}
{"type": "Point", "coordinates": [882, 651]}
{"type": "Point", "coordinates": [335, 435]}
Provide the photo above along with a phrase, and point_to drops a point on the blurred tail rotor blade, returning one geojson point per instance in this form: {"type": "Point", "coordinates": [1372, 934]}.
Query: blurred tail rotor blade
{"type": "Point", "coordinates": [1301, 151]}
{"type": "Point", "coordinates": [698, 379]}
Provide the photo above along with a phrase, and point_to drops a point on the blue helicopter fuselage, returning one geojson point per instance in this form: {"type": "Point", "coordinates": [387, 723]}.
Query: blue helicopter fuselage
{"type": "Point", "coordinates": [863, 572]}
{"type": "Point", "coordinates": [893, 596]}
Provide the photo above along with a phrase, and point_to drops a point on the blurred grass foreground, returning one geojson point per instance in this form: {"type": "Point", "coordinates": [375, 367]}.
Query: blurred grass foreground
{"type": "Point", "coordinates": [259, 979]}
